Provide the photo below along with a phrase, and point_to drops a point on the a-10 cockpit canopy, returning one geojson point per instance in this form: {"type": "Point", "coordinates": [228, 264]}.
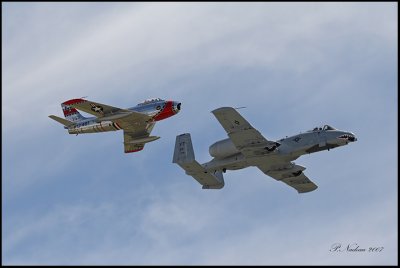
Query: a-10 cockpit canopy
{"type": "Point", "coordinates": [150, 101]}
{"type": "Point", "coordinates": [326, 127]}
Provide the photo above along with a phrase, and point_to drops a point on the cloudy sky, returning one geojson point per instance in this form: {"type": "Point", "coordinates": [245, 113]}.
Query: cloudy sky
{"type": "Point", "coordinates": [70, 199]}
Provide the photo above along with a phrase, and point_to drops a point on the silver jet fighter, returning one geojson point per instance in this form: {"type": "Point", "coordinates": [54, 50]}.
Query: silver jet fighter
{"type": "Point", "coordinates": [136, 122]}
{"type": "Point", "coordinates": [247, 147]}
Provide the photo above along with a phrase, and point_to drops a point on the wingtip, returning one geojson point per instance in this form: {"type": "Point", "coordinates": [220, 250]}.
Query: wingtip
{"type": "Point", "coordinates": [308, 190]}
{"type": "Point", "coordinates": [133, 151]}
{"type": "Point", "coordinates": [222, 109]}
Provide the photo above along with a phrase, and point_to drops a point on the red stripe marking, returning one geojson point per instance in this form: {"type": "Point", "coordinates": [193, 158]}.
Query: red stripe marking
{"type": "Point", "coordinates": [73, 101]}
{"type": "Point", "coordinates": [166, 112]}
{"type": "Point", "coordinates": [118, 126]}
{"type": "Point", "coordinates": [70, 112]}
{"type": "Point", "coordinates": [132, 151]}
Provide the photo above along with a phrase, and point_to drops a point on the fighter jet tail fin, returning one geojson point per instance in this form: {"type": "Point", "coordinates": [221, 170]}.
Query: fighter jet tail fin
{"type": "Point", "coordinates": [184, 157]}
{"type": "Point", "coordinates": [70, 112]}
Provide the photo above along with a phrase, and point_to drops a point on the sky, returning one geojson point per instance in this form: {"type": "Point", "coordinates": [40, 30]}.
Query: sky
{"type": "Point", "coordinates": [70, 200]}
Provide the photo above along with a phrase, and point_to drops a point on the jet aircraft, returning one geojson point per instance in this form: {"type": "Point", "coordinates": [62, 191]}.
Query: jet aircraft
{"type": "Point", "coordinates": [136, 122]}
{"type": "Point", "coordinates": [247, 147]}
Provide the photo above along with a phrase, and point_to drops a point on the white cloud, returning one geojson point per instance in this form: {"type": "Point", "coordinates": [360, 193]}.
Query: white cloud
{"type": "Point", "coordinates": [181, 228]}
{"type": "Point", "coordinates": [129, 44]}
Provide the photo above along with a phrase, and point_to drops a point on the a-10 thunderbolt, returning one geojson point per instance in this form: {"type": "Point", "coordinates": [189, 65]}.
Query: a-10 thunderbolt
{"type": "Point", "coordinates": [137, 122]}
{"type": "Point", "coordinates": [247, 147]}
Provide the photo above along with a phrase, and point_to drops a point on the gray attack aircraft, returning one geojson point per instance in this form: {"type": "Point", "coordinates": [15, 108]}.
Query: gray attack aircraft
{"type": "Point", "coordinates": [247, 147]}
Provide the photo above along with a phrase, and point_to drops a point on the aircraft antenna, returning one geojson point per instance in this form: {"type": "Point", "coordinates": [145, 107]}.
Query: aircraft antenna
{"type": "Point", "coordinates": [237, 108]}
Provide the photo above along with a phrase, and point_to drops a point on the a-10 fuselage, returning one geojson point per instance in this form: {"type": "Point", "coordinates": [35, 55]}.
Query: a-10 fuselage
{"type": "Point", "coordinates": [157, 109]}
{"type": "Point", "coordinates": [228, 157]}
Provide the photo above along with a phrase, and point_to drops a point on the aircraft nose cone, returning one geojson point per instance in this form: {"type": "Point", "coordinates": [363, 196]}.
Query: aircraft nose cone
{"type": "Point", "coordinates": [347, 136]}
{"type": "Point", "coordinates": [352, 137]}
{"type": "Point", "coordinates": [177, 106]}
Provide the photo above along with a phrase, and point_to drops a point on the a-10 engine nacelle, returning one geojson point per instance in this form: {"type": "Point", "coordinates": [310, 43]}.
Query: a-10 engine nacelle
{"type": "Point", "coordinates": [223, 148]}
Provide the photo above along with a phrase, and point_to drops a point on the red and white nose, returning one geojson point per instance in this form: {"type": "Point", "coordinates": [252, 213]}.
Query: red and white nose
{"type": "Point", "coordinates": [170, 108]}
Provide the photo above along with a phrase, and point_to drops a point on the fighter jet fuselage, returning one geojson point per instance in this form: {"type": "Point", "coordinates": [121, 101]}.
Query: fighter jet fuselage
{"type": "Point", "coordinates": [136, 122]}
{"type": "Point", "coordinates": [157, 109]}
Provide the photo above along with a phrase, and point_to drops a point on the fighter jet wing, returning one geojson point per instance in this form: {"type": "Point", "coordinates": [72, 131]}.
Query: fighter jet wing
{"type": "Point", "coordinates": [247, 139]}
{"type": "Point", "coordinates": [137, 126]}
{"type": "Point", "coordinates": [292, 175]}
{"type": "Point", "coordinates": [126, 119]}
{"type": "Point", "coordinates": [95, 108]}
{"type": "Point", "coordinates": [134, 139]}
{"type": "Point", "coordinates": [130, 145]}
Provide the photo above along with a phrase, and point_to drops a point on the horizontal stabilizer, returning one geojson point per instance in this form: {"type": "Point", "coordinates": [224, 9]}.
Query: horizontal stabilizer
{"type": "Point", "coordinates": [63, 121]}
{"type": "Point", "coordinates": [184, 157]}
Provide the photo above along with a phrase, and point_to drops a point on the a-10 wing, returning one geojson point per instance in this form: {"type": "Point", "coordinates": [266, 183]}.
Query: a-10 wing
{"type": "Point", "coordinates": [251, 143]}
{"type": "Point", "coordinates": [291, 174]}
{"type": "Point", "coordinates": [247, 139]}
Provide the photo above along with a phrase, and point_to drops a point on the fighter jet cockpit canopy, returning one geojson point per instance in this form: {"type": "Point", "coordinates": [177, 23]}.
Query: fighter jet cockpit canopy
{"type": "Point", "coordinates": [326, 127]}
{"type": "Point", "coordinates": [147, 101]}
